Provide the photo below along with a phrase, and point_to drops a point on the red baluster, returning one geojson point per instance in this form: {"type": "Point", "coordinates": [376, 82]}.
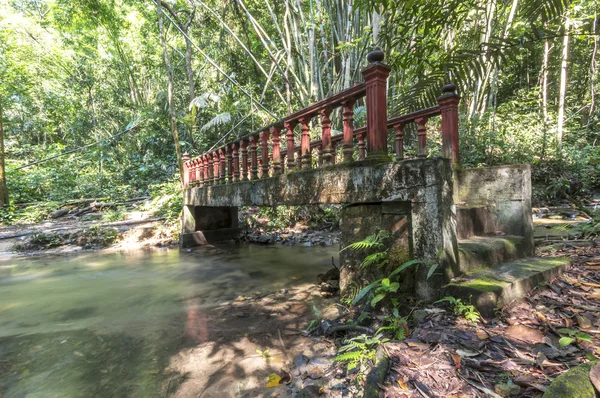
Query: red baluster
{"type": "Point", "coordinates": [254, 157]}
{"type": "Point", "coordinates": [276, 151]}
{"type": "Point", "coordinates": [289, 126]}
{"type": "Point", "coordinates": [245, 159]}
{"type": "Point", "coordinates": [326, 148]}
{"type": "Point", "coordinates": [361, 146]}
{"type": "Point", "coordinates": [399, 141]}
{"type": "Point", "coordinates": [422, 136]}
{"type": "Point", "coordinates": [209, 169]}
{"type": "Point", "coordinates": [215, 168]}
{"type": "Point", "coordinates": [375, 76]}
{"type": "Point", "coordinates": [236, 161]}
{"type": "Point", "coordinates": [205, 179]}
{"type": "Point", "coordinates": [264, 149]}
{"type": "Point", "coordinates": [305, 143]}
{"type": "Point", "coordinates": [222, 166]}
{"type": "Point", "coordinates": [229, 163]}
{"type": "Point", "coordinates": [299, 158]}
{"type": "Point", "coordinates": [185, 169]}
{"type": "Point", "coordinates": [449, 110]}
{"type": "Point", "coordinates": [198, 162]}
{"type": "Point", "coordinates": [348, 145]}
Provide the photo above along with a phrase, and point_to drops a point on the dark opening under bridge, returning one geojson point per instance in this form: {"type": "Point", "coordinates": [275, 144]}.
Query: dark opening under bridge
{"type": "Point", "coordinates": [413, 197]}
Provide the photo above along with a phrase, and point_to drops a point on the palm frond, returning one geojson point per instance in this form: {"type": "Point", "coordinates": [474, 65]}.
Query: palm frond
{"type": "Point", "coordinates": [221, 118]}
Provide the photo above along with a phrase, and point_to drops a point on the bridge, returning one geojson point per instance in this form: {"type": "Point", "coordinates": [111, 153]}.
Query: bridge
{"type": "Point", "coordinates": [417, 191]}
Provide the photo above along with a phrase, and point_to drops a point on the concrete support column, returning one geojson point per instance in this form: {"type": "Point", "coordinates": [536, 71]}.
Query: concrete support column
{"type": "Point", "coordinates": [208, 224]}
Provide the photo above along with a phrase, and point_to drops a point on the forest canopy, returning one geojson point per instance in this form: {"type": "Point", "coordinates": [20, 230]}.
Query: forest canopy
{"type": "Point", "coordinates": [102, 97]}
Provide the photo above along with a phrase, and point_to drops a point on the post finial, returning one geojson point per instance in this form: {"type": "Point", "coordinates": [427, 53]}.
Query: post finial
{"type": "Point", "coordinates": [375, 56]}
{"type": "Point", "coordinates": [449, 88]}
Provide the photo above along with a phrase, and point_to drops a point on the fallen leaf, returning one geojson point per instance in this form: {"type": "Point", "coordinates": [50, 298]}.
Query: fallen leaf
{"type": "Point", "coordinates": [285, 377]}
{"type": "Point", "coordinates": [456, 359]}
{"type": "Point", "coordinates": [402, 385]}
{"type": "Point", "coordinates": [590, 284]}
{"type": "Point", "coordinates": [541, 317]}
{"type": "Point", "coordinates": [467, 353]}
{"type": "Point", "coordinates": [482, 334]}
{"type": "Point", "coordinates": [583, 322]}
{"type": "Point", "coordinates": [273, 380]}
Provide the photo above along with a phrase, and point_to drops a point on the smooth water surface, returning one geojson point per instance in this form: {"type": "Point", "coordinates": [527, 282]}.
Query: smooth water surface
{"type": "Point", "coordinates": [106, 325]}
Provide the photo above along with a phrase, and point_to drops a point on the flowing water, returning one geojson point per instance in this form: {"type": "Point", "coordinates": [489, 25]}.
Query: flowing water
{"type": "Point", "coordinates": [109, 324]}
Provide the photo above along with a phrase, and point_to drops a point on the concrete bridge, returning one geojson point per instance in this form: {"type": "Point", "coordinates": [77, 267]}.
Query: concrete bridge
{"type": "Point", "coordinates": [471, 222]}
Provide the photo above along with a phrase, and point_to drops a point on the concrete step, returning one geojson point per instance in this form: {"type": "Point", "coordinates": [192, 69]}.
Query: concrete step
{"type": "Point", "coordinates": [498, 286]}
{"type": "Point", "coordinates": [479, 252]}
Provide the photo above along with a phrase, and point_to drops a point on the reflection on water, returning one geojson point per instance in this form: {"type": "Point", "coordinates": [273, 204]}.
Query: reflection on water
{"type": "Point", "coordinates": [107, 324]}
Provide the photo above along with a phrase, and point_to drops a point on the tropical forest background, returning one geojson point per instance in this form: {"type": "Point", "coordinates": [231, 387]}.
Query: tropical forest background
{"type": "Point", "coordinates": [100, 98]}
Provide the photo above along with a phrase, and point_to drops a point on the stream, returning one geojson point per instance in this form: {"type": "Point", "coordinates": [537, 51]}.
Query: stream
{"type": "Point", "coordinates": [116, 324]}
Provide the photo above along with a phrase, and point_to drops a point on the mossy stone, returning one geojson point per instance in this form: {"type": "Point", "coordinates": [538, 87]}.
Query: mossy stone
{"type": "Point", "coordinates": [573, 383]}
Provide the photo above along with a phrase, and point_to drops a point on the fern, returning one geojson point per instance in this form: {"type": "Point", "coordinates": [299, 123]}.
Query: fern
{"type": "Point", "coordinates": [379, 258]}
{"type": "Point", "coordinates": [349, 356]}
{"type": "Point", "coordinates": [374, 241]}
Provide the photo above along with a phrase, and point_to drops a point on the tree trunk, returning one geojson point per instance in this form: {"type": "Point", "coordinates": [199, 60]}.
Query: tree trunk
{"type": "Point", "coordinates": [172, 118]}
{"type": "Point", "coordinates": [3, 189]}
{"type": "Point", "coordinates": [545, 95]}
{"type": "Point", "coordinates": [593, 70]}
{"type": "Point", "coordinates": [563, 85]}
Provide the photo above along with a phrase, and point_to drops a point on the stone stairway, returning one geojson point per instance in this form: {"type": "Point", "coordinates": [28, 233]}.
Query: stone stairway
{"type": "Point", "coordinates": [495, 246]}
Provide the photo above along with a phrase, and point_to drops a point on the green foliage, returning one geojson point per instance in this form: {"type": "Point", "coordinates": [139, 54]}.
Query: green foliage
{"type": "Point", "coordinates": [572, 335]}
{"type": "Point", "coordinates": [167, 200]}
{"type": "Point", "coordinates": [378, 284]}
{"type": "Point", "coordinates": [360, 350]}
{"type": "Point", "coordinates": [112, 215]}
{"type": "Point", "coordinates": [460, 309]}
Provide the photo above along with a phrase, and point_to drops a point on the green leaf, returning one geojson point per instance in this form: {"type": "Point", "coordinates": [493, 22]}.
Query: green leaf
{"type": "Point", "coordinates": [569, 332]}
{"type": "Point", "coordinates": [377, 299]}
{"type": "Point", "coordinates": [404, 266]}
{"type": "Point", "coordinates": [584, 337]}
{"type": "Point", "coordinates": [565, 341]}
{"type": "Point", "coordinates": [432, 269]}
{"type": "Point", "coordinates": [365, 290]}
{"type": "Point", "coordinates": [385, 282]}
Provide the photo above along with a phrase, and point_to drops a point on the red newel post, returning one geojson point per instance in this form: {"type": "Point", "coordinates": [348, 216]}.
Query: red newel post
{"type": "Point", "coordinates": [422, 136]}
{"type": "Point", "coordinates": [305, 143]}
{"type": "Point", "coordinates": [236, 161]}
{"type": "Point", "coordinates": [229, 152]}
{"type": "Point", "coordinates": [399, 141]}
{"type": "Point", "coordinates": [276, 151]}
{"type": "Point", "coordinates": [245, 159]}
{"type": "Point", "coordinates": [222, 161]}
{"type": "Point", "coordinates": [254, 157]}
{"type": "Point", "coordinates": [186, 170]}
{"type": "Point", "coordinates": [449, 108]}
{"type": "Point", "coordinates": [375, 76]}
{"type": "Point", "coordinates": [326, 148]}
{"type": "Point", "coordinates": [348, 145]}
{"type": "Point", "coordinates": [289, 126]}
{"type": "Point", "coordinates": [215, 168]}
{"type": "Point", "coordinates": [264, 150]}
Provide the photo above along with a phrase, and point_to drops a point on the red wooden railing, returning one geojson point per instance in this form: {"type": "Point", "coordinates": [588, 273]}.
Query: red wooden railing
{"type": "Point", "coordinates": [260, 154]}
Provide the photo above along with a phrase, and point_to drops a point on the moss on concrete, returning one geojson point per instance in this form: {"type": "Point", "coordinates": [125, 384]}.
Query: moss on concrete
{"type": "Point", "coordinates": [573, 383]}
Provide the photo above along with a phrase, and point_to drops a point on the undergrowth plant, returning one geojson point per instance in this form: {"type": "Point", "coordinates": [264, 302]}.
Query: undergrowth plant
{"type": "Point", "coordinates": [360, 350]}
{"type": "Point", "coordinates": [460, 309]}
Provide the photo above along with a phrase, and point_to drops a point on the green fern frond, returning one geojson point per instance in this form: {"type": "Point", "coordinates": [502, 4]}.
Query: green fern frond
{"type": "Point", "coordinates": [349, 356]}
{"type": "Point", "coordinates": [379, 258]}
{"type": "Point", "coordinates": [374, 241]}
